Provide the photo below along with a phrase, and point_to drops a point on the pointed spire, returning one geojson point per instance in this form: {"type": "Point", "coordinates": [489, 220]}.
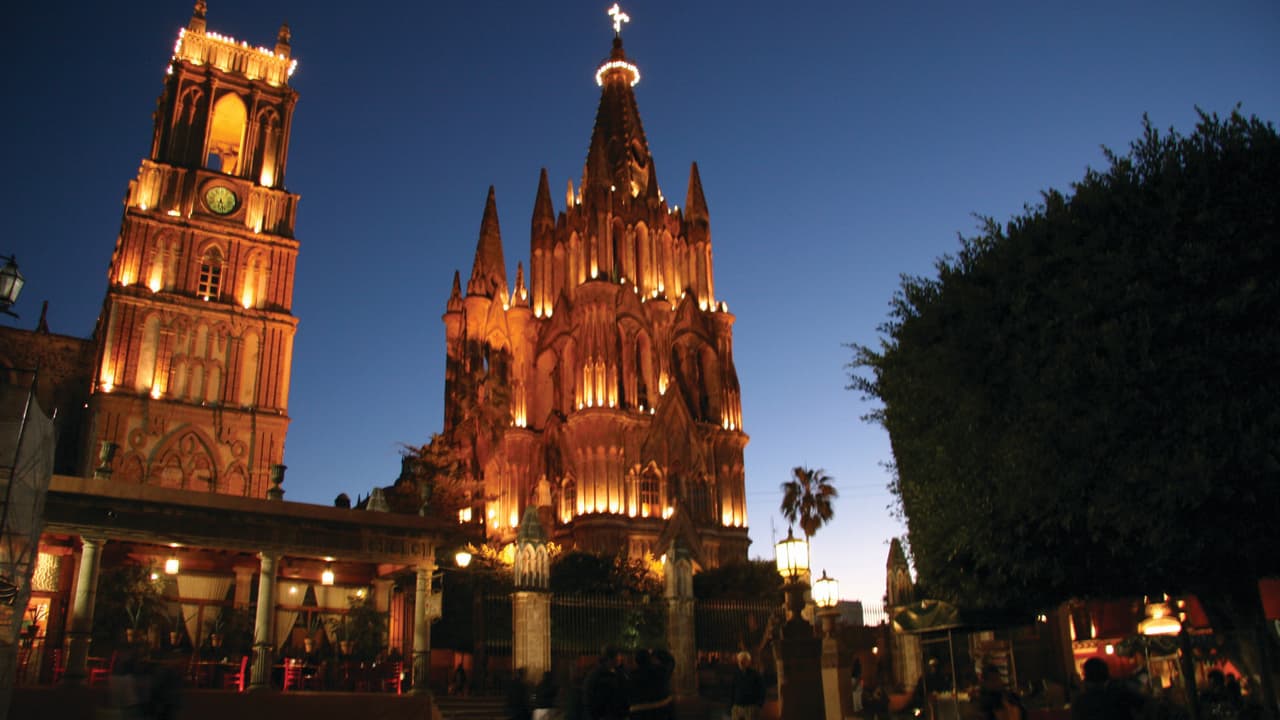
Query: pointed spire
{"type": "Point", "coordinates": [43, 325]}
{"type": "Point", "coordinates": [544, 215]}
{"type": "Point", "coordinates": [455, 296]}
{"type": "Point", "coordinates": [695, 203]}
{"type": "Point", "coordinates": [569, 199]}
{"type": "Point", "coordinates": [653, 193]}
{"type": "Point", "coordinates": [489, 273]}
{"type": "Point", "coordinates": [520, 297]}
{"type": "Point", "coordinates": [618, 155]}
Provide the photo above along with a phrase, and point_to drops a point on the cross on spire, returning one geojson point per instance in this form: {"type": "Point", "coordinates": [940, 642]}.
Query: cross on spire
{"type": "Point", "coordinates": [619, 17]}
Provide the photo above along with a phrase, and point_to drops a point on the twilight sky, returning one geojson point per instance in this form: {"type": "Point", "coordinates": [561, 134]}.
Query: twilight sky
{"type": "Point", "coordinates": [840, 145]}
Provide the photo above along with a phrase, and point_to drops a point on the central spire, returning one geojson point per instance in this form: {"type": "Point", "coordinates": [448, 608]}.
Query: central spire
{"type": "Point", "coordinates": [618, 158]}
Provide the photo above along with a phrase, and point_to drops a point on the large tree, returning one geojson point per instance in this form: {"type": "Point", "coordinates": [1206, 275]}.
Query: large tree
{"type": "Point", "coordinates": [1086, 400]}
{"type": "Point", "coordinates": [807, 499]}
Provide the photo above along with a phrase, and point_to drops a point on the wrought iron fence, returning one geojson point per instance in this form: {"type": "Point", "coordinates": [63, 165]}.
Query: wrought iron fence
{"type": "Point", "coordinates": [725, 626]}
{"type": "Point", "coordinates": [583, 624]}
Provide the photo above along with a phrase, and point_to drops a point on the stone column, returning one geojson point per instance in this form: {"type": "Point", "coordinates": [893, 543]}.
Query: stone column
{"type": "Point", "coordinates": [81, 630]}
{"type": "Point", "coordinates": [680, 622]}
{"type": "Point", "coordinates": [263, 642]}
{"type": "Point", "coordinates": [421, 631]}
{"type": "Point", "coordinates": [531, 601]}
{"type": "Point", "coordinates": [837, 689]}
{"type": "Point", "coordinates": [382, 590]}
{"type": "Point", "coordinates": [531, 632]}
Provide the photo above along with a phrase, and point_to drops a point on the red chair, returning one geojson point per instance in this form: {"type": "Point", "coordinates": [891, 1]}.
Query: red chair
{"type": "Point", "coordinates": [395, 679]}
{"type": "Point", "coordinates": [100, 673]}
{"type": "Point", "coordinates": [238, 680]}
{"type": "Point", "coordinates": [292, 674]}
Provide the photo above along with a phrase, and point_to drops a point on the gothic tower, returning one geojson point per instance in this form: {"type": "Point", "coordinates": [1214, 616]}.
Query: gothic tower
{"type": "Point", "coordinates": [612, 359]}
{"type": "Point", "coordinates": [195, 338]}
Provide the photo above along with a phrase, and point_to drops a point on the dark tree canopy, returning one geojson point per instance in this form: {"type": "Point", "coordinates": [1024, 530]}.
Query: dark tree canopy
{"type": "Point", "coordinates": [1086, 401]}
{"type": "Point", "coordinates": [585, 573]}
{"type": "Point", "coordinates": [752, 580]}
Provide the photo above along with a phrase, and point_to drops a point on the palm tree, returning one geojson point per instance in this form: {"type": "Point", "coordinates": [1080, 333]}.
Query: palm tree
{"type": "Point", "coordinates": [807, 498]}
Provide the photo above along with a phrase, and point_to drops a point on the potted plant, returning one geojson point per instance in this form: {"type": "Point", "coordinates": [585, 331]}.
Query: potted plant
{"type": "Point", "coordinates": [339, 628]}
{"type": "Point", "coordinates": [365, 628]}
{"type": "Point", "coordinates": [142, 599]}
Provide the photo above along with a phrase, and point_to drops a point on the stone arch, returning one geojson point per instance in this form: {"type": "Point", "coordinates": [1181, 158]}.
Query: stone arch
{"type": "Point", "coordinates": [559, 270]}
{"type": "Point", "coordinates": [184, 460]}
{"type": "Point", "coordinates": [186, 134]}
{"type": "Point", "coordinates": [234, 481]}
{"type": "Point", "coordinates": [569, 504]}
{"type": "Point", "coordinates": [131, 470]}
{"type": "Point", "coordinates": [254, 282]}
{"type": "Point", "coordinates": [268, 129]}
{"type": "Point", "coordinates": [709, 401]}
{"type": "Point", "coordinates": [544, 397]}
{"type": "Point", "coordinates": [649, 491]}
{"type": "Point", "coordinates": [646, 378]}
{"type": "Point", "coordinates": [225, 146]}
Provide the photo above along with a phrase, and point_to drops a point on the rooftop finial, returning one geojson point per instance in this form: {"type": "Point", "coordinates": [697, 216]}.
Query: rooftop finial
{"type": "Point", "coordinates": [197, 17]}
{"type": "Point", "coordinates": [619, 17]}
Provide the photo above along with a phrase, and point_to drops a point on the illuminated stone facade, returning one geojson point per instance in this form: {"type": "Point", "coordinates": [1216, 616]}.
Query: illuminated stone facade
{"type": "Point", "coordinates": [196, 335]}
{"type": "Point", "coordinates": [615, 355]}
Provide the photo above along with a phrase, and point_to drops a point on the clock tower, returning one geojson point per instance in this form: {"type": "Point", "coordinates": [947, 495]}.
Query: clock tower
{"type": "Point", "coordinates": [195, 339]}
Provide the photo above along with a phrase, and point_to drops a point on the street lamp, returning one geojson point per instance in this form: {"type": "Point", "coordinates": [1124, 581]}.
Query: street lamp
{"type": "Point", "coordinates": [462, 558]}
{"type": "Point", "coordinates": [1160, 620]}
{"type": "Point", "coordinates": [826, 595]}
{"type": "Point", "coordinates": [826, 591]}
{"type": "Point", "coordinates": [792, 556]}
{"type": "Point", "coordinates": [11, 282]}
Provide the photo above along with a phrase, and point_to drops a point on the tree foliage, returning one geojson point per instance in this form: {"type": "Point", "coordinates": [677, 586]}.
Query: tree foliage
{"type": "Point", "coordinates": [752, 580]}
{"type": "Point", "coordinates": [807, 499]}
{"type": "Point", "coordinates": [584, 573]}
{"type": "Point", "coordinates": [1086, 400]}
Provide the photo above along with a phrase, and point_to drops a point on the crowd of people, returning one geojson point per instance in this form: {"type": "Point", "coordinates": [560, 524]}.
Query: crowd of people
{"type": "Point", "coordinates": [613, 689]}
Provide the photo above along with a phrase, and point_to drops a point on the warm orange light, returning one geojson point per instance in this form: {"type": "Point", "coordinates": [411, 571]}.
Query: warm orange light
{"type": "Point", "coordinates": [326, 577]}
{"type": "Point", "coordinates": [171, 565]}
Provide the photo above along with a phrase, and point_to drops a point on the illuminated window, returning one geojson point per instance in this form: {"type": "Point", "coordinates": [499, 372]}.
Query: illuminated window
{"type": "Point", "coordinates": [648, 494]}
{"type": "Point", "coordinates": [210, 274]}
{"type": "Point", "coordinates": [569, 498]}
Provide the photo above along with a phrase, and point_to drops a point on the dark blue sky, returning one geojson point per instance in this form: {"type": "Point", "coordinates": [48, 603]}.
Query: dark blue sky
{"type": "Point", "coordinates": [840, 145]}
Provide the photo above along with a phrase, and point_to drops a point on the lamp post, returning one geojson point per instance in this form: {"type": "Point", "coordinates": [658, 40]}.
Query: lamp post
{"type": "Point", "coordinates": [798, 652]}
{"type": "Point", "coordinates": [1162, 620]}
{"type": "Point", "coordinates": [836, 690]}
{"type": "Point", "coordinates": [793, 562]}
{"type": "Point", "coordinates": [479, 661]}
{"type": "Point", "coordinates": [11, 282]}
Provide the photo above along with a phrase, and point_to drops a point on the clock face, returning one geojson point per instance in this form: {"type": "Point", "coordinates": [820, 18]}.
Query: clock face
{"type": "Point", "coordinates": [220, 199]}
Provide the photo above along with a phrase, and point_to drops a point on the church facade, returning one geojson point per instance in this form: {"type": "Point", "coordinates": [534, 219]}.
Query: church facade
{"type": "Point", "coordinates": [610, 363]}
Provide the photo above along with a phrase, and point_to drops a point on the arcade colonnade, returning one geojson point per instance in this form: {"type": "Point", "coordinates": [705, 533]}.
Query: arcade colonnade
{"type": "Point", "coordinates": [283, 543]}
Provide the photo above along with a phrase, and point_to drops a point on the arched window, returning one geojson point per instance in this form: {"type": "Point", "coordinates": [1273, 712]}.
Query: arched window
{"type": "Point", "coordinates": [210, 283]}
{"type": "Point", "coordinates": [226, 137]}
{"type": "Point", "coordinates": [648, 494]}
{"type": "Point", "coordinates": [568, 500]}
